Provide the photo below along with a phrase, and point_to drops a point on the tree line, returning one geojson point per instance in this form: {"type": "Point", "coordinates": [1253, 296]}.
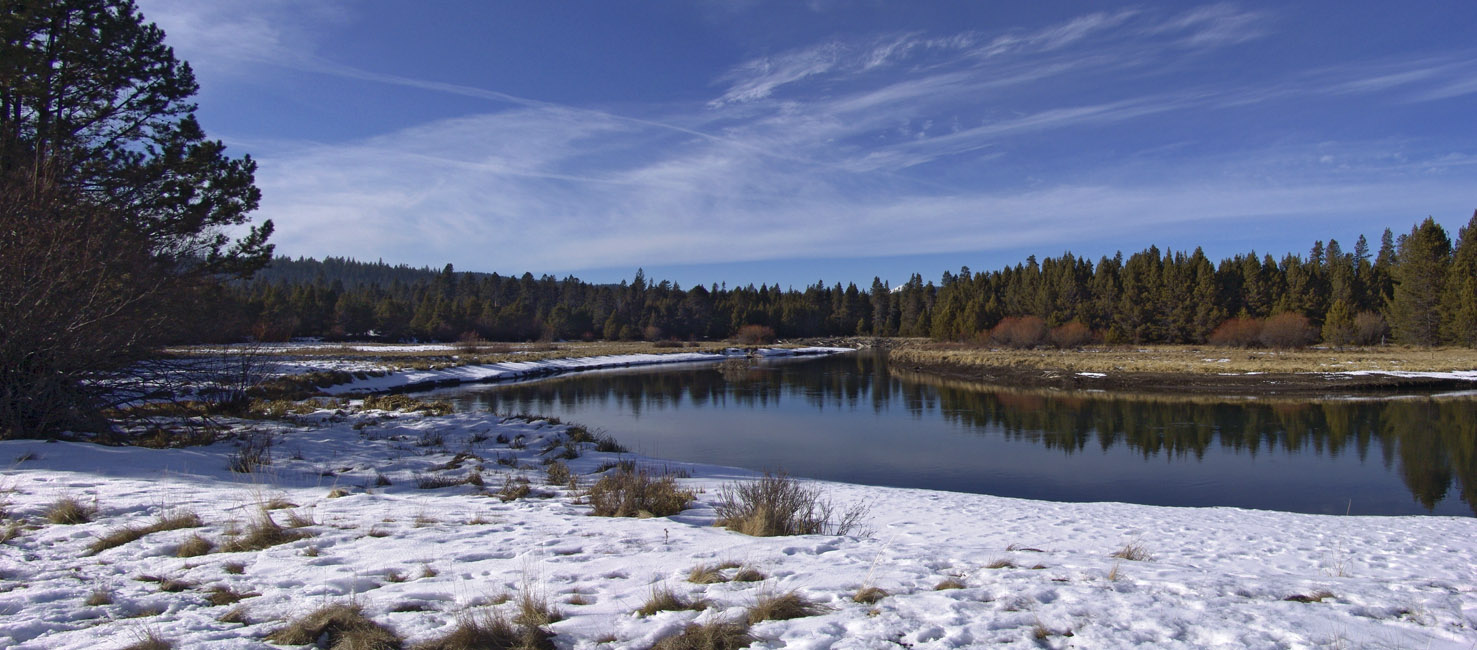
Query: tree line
{"type": "Point", "coordinates": [1419, 288]}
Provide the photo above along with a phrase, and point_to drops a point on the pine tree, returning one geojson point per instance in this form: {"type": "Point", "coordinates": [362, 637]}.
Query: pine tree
{"type": "Point", "coordinates": [1419, 273]}
{"type": "Point", "coordinates": [1459, 301]}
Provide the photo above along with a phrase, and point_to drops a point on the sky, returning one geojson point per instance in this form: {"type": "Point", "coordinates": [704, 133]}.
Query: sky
{"type": "Point", "coordinates": [791, 142]}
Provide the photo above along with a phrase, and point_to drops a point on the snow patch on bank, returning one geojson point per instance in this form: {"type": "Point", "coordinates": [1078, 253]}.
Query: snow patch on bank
{"type": "Point", "coordinates": [412, 379]}
{"type": "Point", "coordinates": [1031, 574]}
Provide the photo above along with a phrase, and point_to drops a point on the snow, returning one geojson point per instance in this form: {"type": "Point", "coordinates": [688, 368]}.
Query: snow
{"type": "Point", "coordinates": [1215, 578]}
{"type": "Point", "coordinates": [1092, 374]}
{"type": "Point", "coordinates": [1468, 375]}
{"type": "Point", "coordinates": [409, 379]}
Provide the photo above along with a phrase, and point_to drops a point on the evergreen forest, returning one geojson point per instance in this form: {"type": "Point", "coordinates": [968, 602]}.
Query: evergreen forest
{"type": "Point", "coordinates": [1418, 288]}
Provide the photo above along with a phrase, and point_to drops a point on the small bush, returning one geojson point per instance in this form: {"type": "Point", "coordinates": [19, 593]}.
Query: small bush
{"type": "Point", "coordinates": [338, 626]}
{"type": "Point", "coordinates": [607, 444]}
{"type": "Point", "coordinates": [1070, 335]}
{"type": "Point", "coordinates": [779, 505]}
{"type": "Point", "coordinates": [628, 493]}
{"type": "Point", "coordinates": [1370, 328]}
{"type": "Point", "coordinates": [514, 489]}
{"type": "Point", "coordinates": [253, 452]}
{"type": "Point", "coordinates": [716, 635]}
{"type": "Point", "coordinates": [1237, 333]}
{"type": "Point", "coordinates": [68, 510]}
{"type": "Point", "coordinates": [1019, 332]}
{"type": "Point", "coordinates": [557, 473]}
{"type": "Point", "coordinates": [782, 607]}
{"type": "Point", "coordinates": [1287, 330]}
{"type": "Point", "coordinates": [754, 335]}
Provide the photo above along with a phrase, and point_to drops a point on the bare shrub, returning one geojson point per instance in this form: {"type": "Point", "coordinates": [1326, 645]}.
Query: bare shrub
{"type": "Point", "coordinates": [1237, 333]}
{"type": "Point", "coordinates": [779, 505]}
{"type": "Point", "coordinates": [782, 607]}
{"type": "Point", "coordinates": [253, 452]}
{"type": "Point", "coordinates": [514, 488]}
{"type": "Point", "coordinates": [1287, 330]}
{"type": "Point", "coordinates": [557, 473]}
{"type": "Point", "coordinates": [635, 493]}
{"type": "Point", "coordinates": [1370, 328]}
{"type": "Point", "coordinates": [714, 635]}
{"type": "Point", "coordinates": [1070, 335]}
{"type": "Point", "coordinates": [340, 625]}
{"type": "Point", "coordinates": [1019, 332]}
{"type": "Point", "coordinates": [754, 335]}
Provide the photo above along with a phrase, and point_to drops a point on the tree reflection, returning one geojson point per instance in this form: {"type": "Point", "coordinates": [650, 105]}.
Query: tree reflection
{"type": "Point", "coordinates": [1430, 442]}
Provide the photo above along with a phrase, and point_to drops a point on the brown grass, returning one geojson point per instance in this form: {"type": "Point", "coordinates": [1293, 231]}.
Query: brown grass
{"type": "Point", "coordinates": [194, 546]}
{"type": "Point", "coordinates": [628, 493]}
{"type": "Point", "coordinates": [869, 595]}
{"type": "Point", "coordinates": [1188, 358]}
{"type": "Point", "coordinates": [748, 574]}
{"type": "Point", "coordinates": [949, 583]}
{"type": "Point", "coordinates": [234, 568]}
{"type": "Point", "coordinates": [166, 521]}
{"type": "Point", "coordinates": [1001, 563]}
{"type": "Point", "coordinates": [69, 510]}
{"type": "Point", "coordinates": [1315, 597]}
{"type": "Point", "coordinates": [236, 614]}
{"type": "Point", "coordinates": [222, 595]}
{"type": "Point", "coordinates": [1133, 552]}
{"type": "Point", "coordinates": [99, 597]}
{"type": "Point", "coordinates": [782, 607]}
{"type": "Point", "coordinates": [716, 635]}
{"type": "Point", "coordinates": [664, 599]}
{"type": "Point", "coordinates": [705, 574]}
{"type": "Point", "coordinates": [345, 626]}
{"type": "Point", "coordinates": [264, 532]}
{"type": "Point", "coordinates": [489, 631]}
{"type": "Point", "coordinates": [150, 640]}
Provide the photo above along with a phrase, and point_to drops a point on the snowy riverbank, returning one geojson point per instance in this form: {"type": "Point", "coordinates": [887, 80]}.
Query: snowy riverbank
{"type": "Point", "coordinates": [1030, 573]}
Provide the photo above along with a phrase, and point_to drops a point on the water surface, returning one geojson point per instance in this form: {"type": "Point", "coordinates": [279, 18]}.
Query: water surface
{"type": "Point", "coordinates": [852, 418]}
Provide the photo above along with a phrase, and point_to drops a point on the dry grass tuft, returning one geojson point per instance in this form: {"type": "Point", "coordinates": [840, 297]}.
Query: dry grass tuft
{"type": "Point", "coordinates": [1315, 597]}
{"type": "Point", "coordinates": [1133, 552]}
{"type": "Point", "coordinates": [264, 532]}
{"type": "Point", "coordinates": [236, 614]}
{"type": "Point", "coordinates": [99, 597]}
{"type": "Point", "coordinates": [194, 546]}
{"type": "Point", "coordinates": [949, 583]}
{"type": "Point", "coordinates": [664, 599]}
{"type": "Point", "coordinates": [337, 493]}
{"type": "Point", "coordinates": [1002, 563]}
{"type": "Point", "coordinates": [167, 521]}
{"type": "Point", "coordinates": [869, 595]}
{"type": "Point", "coordinates": [344, 625]}
{"type": "Point", "coordinates": [514, 489]}
{"type": "Point", "coordinates": [489, 631]}
{"type": "Point", "coordinates": [706, 574]}
{"type": "Point", "coordinates": [534, 609]}
{"type": "Point", "coordinates": [221, 595]}
{"type": "Point", "coordinates": [636, 493]}
{"type": "Point", "coordinates": [779, 505]}
{"type": "Point", "coordinates": [782, 607]}
{"type": "Point", "coordinates": [234, 568]}
{"type": "Point", "coordinates": [150, 640]}
{"type": "Point", "coordinates": [557, 473]}
{"type": "Point", "coordinates": [69, 510]}
{"type": "Point", "coordinates": [749, 574]}
{"type": "Point", "coordinates": [717, 635]}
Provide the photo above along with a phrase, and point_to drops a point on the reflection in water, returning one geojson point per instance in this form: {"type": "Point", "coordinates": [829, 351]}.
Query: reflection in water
{"type": "Point", "coordinates": [853, 418]}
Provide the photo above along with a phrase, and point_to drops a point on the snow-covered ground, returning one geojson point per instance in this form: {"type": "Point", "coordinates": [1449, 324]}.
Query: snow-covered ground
{"type": "Point", "coordinates": [1030, 574]}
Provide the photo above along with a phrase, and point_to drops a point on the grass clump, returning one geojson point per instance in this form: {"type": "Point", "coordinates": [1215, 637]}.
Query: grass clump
{"type": "Point", "coordinates": [705, 574]}
{"type": "Point", "coordinates": [343, 624]}
{"type": "Point", "coordinates": [264, 532]}
{"type": "Point", "coordinates": [949, 583]}
{"type": "Point", "coordinates": [406, 403]}
{"type": "Point", "coordinates": [782, 607]}
{"type": "Point", "coordinates": [150, 640]}
{"type": "Point", "coordinates": [557, 473]}
{"type": "Point", "coordinates": [70, 510]}
{"type": "Point", "coordinates": [534, 609]}
{"type": "Point", "coordinates": [234, 568]}
{"type": "Point", "coordinates": [167, 521]}
{"type": "Point", "coordinates": [1133, 552]}
{"type": "Point", "coordinates": [748, 574]}
{"type": "Point", "coordinates": [778, 505]}
{"type": "Point", "coordinates": [717, 635]}
{"type": "Point", "coordinates": [491, 631]}
{"type": "Point", "coordinates": [1315, 597]}
{"type": "Point", "coordinates": [664, 599]}
{"type": "Point", "coordinates": [514, 489]}
{"type": "Point", "coordinates": [869, 595]}
{"type": "Point", "coordinates": [99, 597]}
{"type": "Point", "coordinates": [221, 595]}
{"type": "Point", "coordinates": [636, 493]}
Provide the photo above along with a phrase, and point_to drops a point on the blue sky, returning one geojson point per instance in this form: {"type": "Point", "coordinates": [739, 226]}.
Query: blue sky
{"type": "Point", "coordinates": [789, 142]}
